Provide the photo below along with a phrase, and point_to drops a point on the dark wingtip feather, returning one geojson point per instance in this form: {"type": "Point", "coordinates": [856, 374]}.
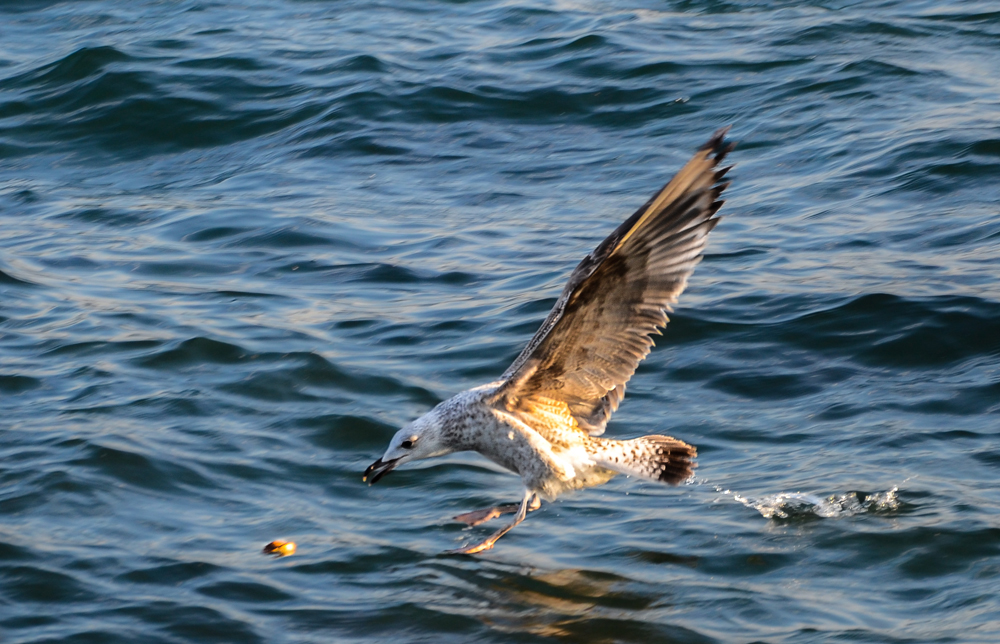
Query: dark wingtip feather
{"type": "Point", "coordinates": [718, 144]}
{"type": "Point", "coordinates": [715, 142]}
{"type": "Point", "coordinates": [719, 188]}
{"type": "Point", "coordinates": [722, 172]}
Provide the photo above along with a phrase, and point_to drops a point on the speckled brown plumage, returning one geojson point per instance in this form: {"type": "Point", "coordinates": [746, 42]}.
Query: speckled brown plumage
{"type": "Point", "coordinates": [544, 418]}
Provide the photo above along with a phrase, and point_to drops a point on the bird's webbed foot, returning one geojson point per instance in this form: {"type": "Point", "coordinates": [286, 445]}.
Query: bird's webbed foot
{"type": "Point", "coordinates": [530, 499]}
{"type": "Point", "coordinates": [477, 517]}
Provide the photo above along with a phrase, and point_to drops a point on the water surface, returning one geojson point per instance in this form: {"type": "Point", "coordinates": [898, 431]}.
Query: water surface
{"type": "Point", "coordinates": [242, 243]}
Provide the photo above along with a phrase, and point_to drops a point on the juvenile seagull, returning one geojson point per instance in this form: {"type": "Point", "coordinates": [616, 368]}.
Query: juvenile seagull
{"type": "Point", "coordinates": [543, 419]}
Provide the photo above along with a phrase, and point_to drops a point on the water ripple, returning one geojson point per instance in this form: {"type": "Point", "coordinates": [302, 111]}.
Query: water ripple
{"type": "Point", "coordinates": [240, 245]}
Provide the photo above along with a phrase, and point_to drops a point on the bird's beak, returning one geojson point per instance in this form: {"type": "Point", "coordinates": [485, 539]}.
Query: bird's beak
{"type": "Point", "coordinates": [378, 469]}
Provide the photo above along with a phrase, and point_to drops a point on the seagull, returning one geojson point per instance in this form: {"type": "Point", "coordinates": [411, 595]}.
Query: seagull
{"type": "Point", "coordinates": [543, 419]}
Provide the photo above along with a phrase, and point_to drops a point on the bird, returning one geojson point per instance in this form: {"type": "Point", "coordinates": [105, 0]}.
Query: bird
{"type": "Point", "coordinates": [544, 418]}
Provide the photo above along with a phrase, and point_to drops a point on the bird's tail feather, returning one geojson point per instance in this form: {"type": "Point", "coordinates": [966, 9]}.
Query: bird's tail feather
{"type": "Point", "coordinates": [657, 458]}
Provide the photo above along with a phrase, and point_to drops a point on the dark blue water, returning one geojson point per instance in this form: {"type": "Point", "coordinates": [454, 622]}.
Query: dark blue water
{"type": "Point", "coordinates": [242, 243]}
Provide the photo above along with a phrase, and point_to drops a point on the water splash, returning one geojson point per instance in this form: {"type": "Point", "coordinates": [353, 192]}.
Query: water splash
{"type": "Point", "coordinates": [790, 505]}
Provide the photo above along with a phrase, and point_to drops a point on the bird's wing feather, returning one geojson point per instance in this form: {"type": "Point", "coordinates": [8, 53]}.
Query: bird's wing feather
{"type": "Point", "coordinates": [576, 366]}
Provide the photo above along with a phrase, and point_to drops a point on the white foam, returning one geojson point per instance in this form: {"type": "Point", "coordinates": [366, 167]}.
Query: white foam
{"type": "Point", "coordinates": [786, 505]}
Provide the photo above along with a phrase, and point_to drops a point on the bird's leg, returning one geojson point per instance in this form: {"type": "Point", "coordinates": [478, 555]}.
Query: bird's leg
{"type": "Point", "coordinates": [476, 517]}
{"type": "Point", "coordinates": [522, 512]}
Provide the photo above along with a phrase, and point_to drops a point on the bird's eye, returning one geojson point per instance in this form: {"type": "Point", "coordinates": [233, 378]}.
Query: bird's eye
{"type": "Point", "coordinates": [407, 444]}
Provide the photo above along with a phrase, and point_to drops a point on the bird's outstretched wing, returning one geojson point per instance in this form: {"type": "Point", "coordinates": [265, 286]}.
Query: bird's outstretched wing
{"type": "Point", "coordinates": [574, 370]}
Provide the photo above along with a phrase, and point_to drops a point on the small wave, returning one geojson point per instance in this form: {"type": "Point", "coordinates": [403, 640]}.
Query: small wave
{"type": "Point", "coordinates": [9, 280]}
{"type": "Point", "coordinates": [104, 96]}
{"type": "Point", "coordinates": [791, 505]}
{"type": "Point", "coordinates": [874, 329]}
{"type": "Point", "coordinates": [15, 383]}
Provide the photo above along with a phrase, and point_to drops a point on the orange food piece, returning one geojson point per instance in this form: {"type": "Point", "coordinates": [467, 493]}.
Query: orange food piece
{"type": "Point", "coordinates": [280, 548]}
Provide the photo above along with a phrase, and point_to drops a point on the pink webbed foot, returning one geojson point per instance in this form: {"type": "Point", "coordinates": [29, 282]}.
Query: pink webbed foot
{"type": "Point", "coordinates": [531, 501]}
{"type": "Point", "coordinates": [477, 517]}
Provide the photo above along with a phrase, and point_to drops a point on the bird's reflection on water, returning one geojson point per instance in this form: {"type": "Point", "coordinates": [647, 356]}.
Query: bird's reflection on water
{"type": "Point", "coordinates": [560, 603]}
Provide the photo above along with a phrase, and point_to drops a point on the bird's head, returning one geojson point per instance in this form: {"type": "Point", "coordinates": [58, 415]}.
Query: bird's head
{"type": "Point", "coordinates": [423, 438]}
